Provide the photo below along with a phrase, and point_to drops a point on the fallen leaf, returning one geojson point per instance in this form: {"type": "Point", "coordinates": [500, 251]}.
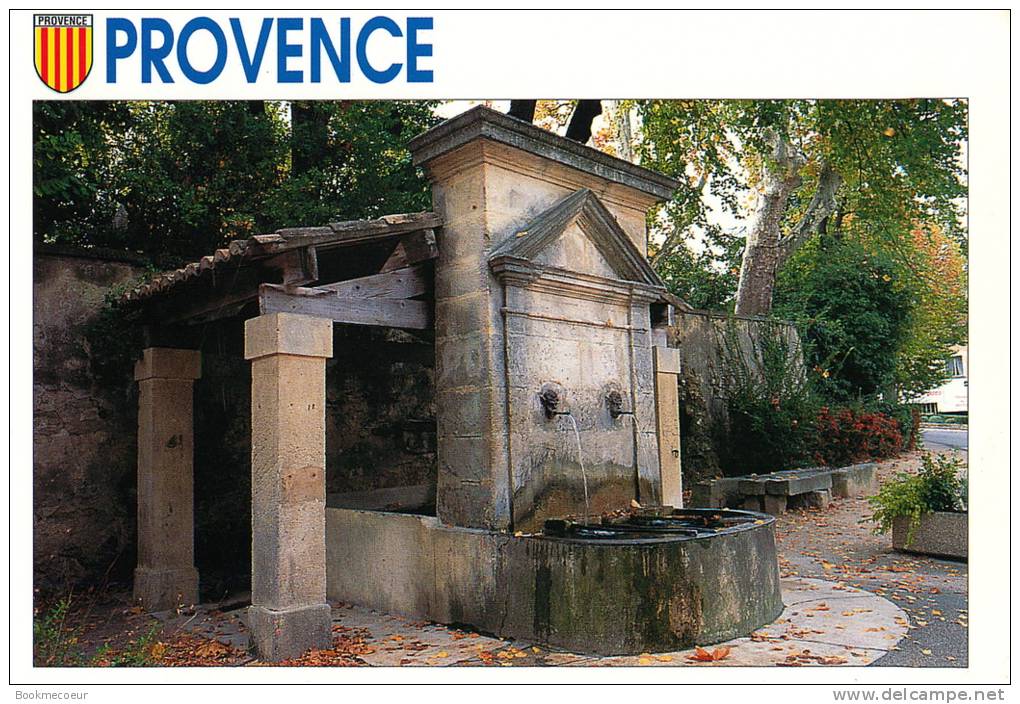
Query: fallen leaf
{"type": "Point", "coordinates": [702, 655]}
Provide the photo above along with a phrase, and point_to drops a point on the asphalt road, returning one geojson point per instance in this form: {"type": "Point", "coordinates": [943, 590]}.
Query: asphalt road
{"type": "Point", "coordinates": [944, 439]}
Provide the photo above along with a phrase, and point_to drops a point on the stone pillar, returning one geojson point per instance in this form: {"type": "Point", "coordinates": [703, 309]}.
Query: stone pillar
{"type": "Point", "coordinates": [166, 576]}
{"type": "Point", "coordinates": [289, 613]}
{"type": "Point", "coordinates": [667, 369]}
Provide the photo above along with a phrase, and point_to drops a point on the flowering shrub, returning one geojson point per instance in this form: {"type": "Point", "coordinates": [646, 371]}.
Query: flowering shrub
{"type": "Point", "coordinates": [846, 435]}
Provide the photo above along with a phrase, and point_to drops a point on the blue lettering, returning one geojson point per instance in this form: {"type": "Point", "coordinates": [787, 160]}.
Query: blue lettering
{"type": "Point", "coordinates": [415, 50]}
{"type": "Point", "coordinates": [156, 56]}
{"type": "Point", "coordinates": [251, 64]}
{"type": "Point", "coordinates": [158, 45]}
{"type": "Point", "coordinates": [115, 51]}
{"type": "Point", "coordinates": [322, 42]}
{"type": "Point", "coordinates": [370, 71]}
{"type": "Point", "coordinates": [216, 69]}
{"type": "Point", "coordinates": [285, 50]}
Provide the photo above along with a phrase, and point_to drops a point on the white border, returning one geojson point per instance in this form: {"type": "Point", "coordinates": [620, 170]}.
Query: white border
{"type": "Point", "coordinates": [626, 54]}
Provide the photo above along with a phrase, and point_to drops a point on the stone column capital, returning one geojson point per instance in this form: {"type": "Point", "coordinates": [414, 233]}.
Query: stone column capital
{"type": "Point", "coordinates": [288, 333]}
{"type": "Point", "coordinates": [168, 363]}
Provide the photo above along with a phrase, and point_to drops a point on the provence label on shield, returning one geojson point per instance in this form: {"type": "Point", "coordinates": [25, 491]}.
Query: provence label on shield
{"type": "Point", "coordinates": [63, 50]}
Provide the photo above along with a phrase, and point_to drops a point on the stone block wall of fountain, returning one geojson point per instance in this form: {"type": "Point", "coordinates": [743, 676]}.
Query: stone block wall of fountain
{"type": "Point", "coordinates": [541, 278]}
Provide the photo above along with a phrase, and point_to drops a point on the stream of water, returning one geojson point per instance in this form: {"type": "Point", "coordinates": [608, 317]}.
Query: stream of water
{"type": "Point", "coordinates": [580, 461]}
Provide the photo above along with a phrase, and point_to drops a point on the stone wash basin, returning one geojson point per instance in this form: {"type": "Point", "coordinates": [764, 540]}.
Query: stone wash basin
{"type": "Point", "coordinates": [658, 580]}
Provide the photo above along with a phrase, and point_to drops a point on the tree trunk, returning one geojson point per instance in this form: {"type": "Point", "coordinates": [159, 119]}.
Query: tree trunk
{"type": "Point", "coordinates": [762, 252]}
{"type": "Point", "coordinates": [624, 146]}
{"type": "Point", "coordinates": [309, 125]}
{"type": "Point", "coordinates": [579, 128]}
{"type": "Point", "coordinates": [523, 109]}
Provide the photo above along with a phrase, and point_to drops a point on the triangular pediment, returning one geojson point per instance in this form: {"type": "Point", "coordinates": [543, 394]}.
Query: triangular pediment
{"type": "Point", "coordinates": [580, 235]}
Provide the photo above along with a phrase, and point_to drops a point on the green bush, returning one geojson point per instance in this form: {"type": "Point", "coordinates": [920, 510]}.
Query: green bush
{"type": "Point", "coordinates": [937, 487]}
{"type": "Point", "coordinates": [771, 408]}
{"type": "Point", "coordinates": [54, 638]}
{"type": "Point", "coordinates": [853, 316]}
{"type": "Point", "coordinates": [946, 420]}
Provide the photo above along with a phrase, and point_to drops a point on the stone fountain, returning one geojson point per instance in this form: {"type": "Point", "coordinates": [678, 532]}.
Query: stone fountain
{"type": "Point", "coordinates": [550, 321]}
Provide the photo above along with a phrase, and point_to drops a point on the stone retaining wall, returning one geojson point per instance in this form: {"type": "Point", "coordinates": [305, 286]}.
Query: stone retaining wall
{"type": "Point", "coordinates": [83, 431]}
{"type": "Point", "coordinates": [704, 415]}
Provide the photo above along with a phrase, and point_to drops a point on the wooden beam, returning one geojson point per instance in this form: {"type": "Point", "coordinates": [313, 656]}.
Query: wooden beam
{"type": "Point", "coordinates": [340, 234]}
{"type": "Point", "coordinates": [224, 293]}
{"type": "Point", "coordinates": [396, 284]}
{"type": "Point", "coordinates": [297, 267]}
{"type": "Point", "coordinates": [324, 303]}
{"type": "Point", "coordinates": [411, 249]}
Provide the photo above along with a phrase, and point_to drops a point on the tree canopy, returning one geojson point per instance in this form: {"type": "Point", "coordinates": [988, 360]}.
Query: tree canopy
{"type": "Point", "coordinates": [783, 171]}
{"type": "Point", "coordinates": [850, 213]}
{"type": "Point", "coordinates": [173, 180]}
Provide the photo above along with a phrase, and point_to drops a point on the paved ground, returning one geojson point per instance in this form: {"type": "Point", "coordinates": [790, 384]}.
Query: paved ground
{"type": "Point", "coordinates": [837, 544]}
{"type": "Point", "coordinates": [850, 600]}
{"type": "Point", "coordinates": [944, 438]}
{"type": "Point", "coordinates": [824, 623]}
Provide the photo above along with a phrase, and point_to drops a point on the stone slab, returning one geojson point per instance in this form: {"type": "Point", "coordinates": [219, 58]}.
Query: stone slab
{"type": "Point", "coordinates": [820, 498]}
{"type": "Point", "coordinates": [774, 504]}
{"type": "Point", "coordinates": [802, 484]}
{"type": "Point", "coordinates": [855, 480]}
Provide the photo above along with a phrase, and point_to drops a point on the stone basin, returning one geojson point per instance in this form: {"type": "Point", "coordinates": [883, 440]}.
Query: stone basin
{"type": "Point", "coordinates": [646, 587]}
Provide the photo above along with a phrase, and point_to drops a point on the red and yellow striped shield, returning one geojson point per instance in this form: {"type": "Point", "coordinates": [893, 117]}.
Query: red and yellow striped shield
{"type": "Point", "coordinates": [63, 50]}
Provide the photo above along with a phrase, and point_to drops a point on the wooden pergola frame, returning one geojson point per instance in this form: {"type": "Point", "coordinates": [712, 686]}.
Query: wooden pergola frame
{"type": "Point", "coordinates": [291, 286]}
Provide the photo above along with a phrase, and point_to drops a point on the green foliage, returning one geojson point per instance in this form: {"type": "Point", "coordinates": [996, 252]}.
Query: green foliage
{"type": "Point", "coordinates": [55, 641]}
{"type": "Point", "coordinates": [56, 637]}
{"type": "Point", "coordinates": [176, 180]}
{"type": "Point", "coordinates": [960, 419]}
{"type": "Point", "coordinates": [705, 279]}
{"type": "Point", "coordinates": [113, 338]}
{"type": "Point", "coordinates": [771, 407]}
{"type": "Point", "coordinates": [364, 170]}
{"type": "Point", "coordinates": [852, 315]}
{"type": "Point", "coordinates": [139, 652]}
{"type": "Point", "coordinates": [902, 196]}
{"type": "Point", "coordinates": [71, 165]}
{"type": "Point", "coordinates": [899, 159]}
{"type": "Point", "coordinates": [937, 487]}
